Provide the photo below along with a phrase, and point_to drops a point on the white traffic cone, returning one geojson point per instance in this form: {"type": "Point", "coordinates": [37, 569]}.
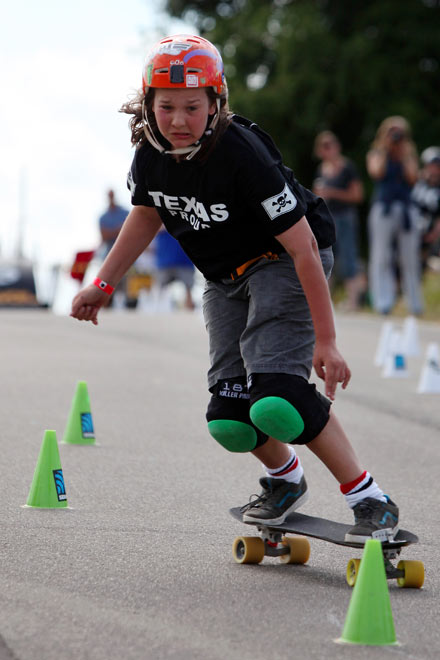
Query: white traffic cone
{"type": "Point", "coordinates": [145, 302]}
{"type": "Point", "coordinates": [119, 301]}
{"type": "Point", "coordinates": [395, 361]}
{"type": "Point", "coordinates": [383, 345]}
{"type": "Point", "coordinates": [410, 337]}
{"type": "Point", "coordinates": [154, 301]}
{"type": "Point", "coordinates": [429, 382]}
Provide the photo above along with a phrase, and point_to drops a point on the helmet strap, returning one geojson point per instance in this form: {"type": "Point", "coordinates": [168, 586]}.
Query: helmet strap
{"type": "Point", "coordinates": [192, 149]}
{"type": "Point", "coordinates": [148, 131]}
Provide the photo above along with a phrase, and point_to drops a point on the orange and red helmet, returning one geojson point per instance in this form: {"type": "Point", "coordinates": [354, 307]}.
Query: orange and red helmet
{"type": "Point", "coordinates": [184, 61]}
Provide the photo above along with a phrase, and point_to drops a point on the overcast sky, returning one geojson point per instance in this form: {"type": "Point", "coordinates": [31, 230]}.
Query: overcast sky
{"type": "Point", "coordinates": [66, 66]}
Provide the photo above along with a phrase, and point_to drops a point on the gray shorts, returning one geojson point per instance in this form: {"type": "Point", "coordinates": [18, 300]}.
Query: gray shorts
{"type": "Point", "coordinates": [261, 322]}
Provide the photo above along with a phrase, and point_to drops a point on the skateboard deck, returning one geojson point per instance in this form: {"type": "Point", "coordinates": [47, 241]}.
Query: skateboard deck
{"type": "Point", "coordinates": [296, 550]}
{"type": "Point", "coordinates": [326, 530]}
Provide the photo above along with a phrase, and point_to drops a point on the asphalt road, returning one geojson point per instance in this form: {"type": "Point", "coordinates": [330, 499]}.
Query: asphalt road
{"type": "Point", "coordinates": [140, 565]}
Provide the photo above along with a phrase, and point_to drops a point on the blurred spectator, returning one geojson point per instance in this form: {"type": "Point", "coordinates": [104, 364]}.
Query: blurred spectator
{"type": "Point", "coordinates": [172, 265]}
{"type": "Point", "coordinates": [426, 196]}
{"type": "Point", "coordinates": [393, 227]}
{"type": "Point", "coordinates": [339, 184]}
{"type": "Point", "coordinates": [110, 224]}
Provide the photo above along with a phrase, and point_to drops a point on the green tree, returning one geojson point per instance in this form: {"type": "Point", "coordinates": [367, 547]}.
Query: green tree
{"type": "Point", "coordinates": [299, 66]}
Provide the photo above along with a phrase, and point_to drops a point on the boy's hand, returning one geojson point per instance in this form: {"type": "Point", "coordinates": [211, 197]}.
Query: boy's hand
{"type": "Point", "coordinates": [87, 303]}
{"type": "Point", "coordinates": [331, 367]}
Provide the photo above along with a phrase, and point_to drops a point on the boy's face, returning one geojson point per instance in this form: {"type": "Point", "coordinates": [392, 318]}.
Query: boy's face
{"type": "Point", "coordinates": [182, 114]}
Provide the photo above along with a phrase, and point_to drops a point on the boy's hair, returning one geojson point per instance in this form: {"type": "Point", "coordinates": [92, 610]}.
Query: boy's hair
{"type": "Point", "coordinates": [135, 107]}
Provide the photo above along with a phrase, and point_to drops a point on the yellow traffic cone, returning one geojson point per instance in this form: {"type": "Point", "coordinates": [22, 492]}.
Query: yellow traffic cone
{"type": "Point", "coordinates": [79, 428]}
{"type": "Point", "coordinates": [369, 619]}
{"type": "Point", "coordinates": [47, 489]}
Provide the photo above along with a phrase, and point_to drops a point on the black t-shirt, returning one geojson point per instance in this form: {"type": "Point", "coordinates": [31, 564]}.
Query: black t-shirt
{"type": "Point", "coordinates": [342, 181]}
{"type": "Point", "coordinates": [229, 209]}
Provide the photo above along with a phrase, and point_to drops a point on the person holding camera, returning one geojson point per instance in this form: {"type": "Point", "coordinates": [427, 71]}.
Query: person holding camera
{"type": "Point", "coordinates": [393, 227]}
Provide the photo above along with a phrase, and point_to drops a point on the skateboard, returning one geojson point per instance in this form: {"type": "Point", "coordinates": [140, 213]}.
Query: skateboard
{"type": "Point", "coordinates": [272, 542]}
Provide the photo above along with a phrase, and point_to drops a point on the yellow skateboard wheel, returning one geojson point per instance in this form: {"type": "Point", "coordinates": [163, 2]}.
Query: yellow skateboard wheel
{"type": "Point", "coordinates": [248, 549]}
{"type": "Point", "coordinates": [352, 571]}
{"type": "Point", "coordinates": [414, 574]}
{"type": "Point", "coordinates": [299, 550]}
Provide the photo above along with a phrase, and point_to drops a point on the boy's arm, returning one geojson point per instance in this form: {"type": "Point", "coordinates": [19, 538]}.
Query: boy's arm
{"type": "Point", "coordinates": [138, 230]}
{"type": "Point", "coordinates": [300, 243]}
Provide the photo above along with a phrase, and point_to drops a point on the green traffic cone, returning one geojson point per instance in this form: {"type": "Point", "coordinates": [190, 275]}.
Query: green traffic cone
{"type": "Point", "coordinates": [79, 428]}
{"type": "Point", "coordinates": [369, 619]}
{"type": "Point", "coordinates": [47, 489]}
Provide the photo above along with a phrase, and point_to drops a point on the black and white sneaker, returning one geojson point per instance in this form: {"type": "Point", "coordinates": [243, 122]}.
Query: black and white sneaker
{"type": "Point", "coordinates": [374, 519]}
{"type": "Point", "coordinates": [277, 500]}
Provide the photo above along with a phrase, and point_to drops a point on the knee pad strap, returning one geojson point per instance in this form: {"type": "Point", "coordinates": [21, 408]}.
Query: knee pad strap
{"type": "Point", "coordinates": [232, 435]}
{"type": "Point", "coordinates": [278, 418]}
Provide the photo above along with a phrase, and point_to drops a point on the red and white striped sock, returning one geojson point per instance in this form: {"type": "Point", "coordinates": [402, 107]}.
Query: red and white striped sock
{"type": "Point", "coordinates": [360, 488]}
{"type": "Point", "coordinates": [292, 470]}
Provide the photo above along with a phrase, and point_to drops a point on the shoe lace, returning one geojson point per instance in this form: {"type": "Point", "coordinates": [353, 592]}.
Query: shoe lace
{"type": "Point", "coordinates": [256, 501]}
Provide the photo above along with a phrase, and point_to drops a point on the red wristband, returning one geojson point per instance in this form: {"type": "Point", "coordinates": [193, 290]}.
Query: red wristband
{"type": "Point", "coordinates": [107, 288]}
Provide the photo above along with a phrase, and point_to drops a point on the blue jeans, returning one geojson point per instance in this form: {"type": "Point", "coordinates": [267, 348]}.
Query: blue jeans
{"type": "Point", "coordinates": [346, 246]}
{"type": "Point", "coordinates": [386, 235]}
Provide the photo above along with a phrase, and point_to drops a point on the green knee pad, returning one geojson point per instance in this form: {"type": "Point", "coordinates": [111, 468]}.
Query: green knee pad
{"type": "Point", "coordinates": [232, 435]}
{"type": "Point", "coordinates": [277, 417]}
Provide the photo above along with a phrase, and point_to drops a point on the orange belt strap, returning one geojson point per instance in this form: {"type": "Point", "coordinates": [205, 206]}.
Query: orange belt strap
{"type": "Point", "coordinates": [243, 268]}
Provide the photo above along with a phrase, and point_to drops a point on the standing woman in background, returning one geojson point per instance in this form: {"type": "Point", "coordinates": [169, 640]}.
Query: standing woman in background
{"type": "Point", "coordinates": [339, 184]}
{"type": "Point", "coordinates": [393, 165]}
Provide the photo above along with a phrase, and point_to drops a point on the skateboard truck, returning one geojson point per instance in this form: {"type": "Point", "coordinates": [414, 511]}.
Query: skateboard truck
{"type": "Point", "coordinates": [273, 545]}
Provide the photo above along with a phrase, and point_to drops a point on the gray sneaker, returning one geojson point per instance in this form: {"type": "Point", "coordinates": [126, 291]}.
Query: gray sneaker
{"type": "Point", "coordinates": [277, 500]}
{"type": "Point", "coordinates": [372, 516]}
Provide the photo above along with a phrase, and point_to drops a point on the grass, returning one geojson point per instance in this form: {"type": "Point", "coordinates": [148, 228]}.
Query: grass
{"type": "Point", "coordinates": [431, 296]}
